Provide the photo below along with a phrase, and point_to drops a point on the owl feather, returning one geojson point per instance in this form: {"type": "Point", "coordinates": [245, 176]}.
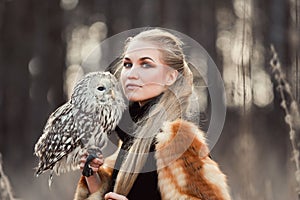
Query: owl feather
{"type": "Point", "coordinates": [81, 125]}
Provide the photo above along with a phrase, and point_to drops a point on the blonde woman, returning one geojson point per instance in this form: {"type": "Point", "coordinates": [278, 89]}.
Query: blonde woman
{"type": "Point", "coordinates": [164, 156]}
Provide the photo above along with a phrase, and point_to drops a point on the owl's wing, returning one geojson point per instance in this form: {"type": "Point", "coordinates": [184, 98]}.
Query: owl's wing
{"type": "Point", "coordinates": [60, 137]}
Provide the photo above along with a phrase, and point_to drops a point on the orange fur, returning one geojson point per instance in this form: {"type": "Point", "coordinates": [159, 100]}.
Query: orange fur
{"type": "Point", "coordinates": [184, 169]}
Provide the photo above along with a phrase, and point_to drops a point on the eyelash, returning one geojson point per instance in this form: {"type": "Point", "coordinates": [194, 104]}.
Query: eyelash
{"type": "Point", "coordinates": [146, 65]}
{"type": "Point", "coordinates": [143, 64]}
{"type": "Point", "coordinates": [125, 64]}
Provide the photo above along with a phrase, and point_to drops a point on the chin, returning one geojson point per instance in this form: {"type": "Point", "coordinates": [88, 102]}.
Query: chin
{"type": "Point", "coordinates": [137, 99]}
{"type": "Point", "coordinates": [133, 98]}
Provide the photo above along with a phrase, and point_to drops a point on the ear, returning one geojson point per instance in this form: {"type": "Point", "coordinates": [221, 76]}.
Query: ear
{"type": "Point", "coordinates": [171, 77]}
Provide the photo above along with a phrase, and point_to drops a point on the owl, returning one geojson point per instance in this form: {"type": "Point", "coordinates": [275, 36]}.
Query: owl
{"type": "Point", "coordinates": [80, 125]}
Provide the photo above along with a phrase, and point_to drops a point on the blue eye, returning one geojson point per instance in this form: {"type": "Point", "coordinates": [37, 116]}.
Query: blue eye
{"type": "Point", "coordinates": [127, 65]}
{"type": "Point", "coordinates": [146, 65]}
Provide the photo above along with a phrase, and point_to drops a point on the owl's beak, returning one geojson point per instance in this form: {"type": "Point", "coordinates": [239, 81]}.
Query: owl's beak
{"type": "Point", "coordinates": [113, 94]}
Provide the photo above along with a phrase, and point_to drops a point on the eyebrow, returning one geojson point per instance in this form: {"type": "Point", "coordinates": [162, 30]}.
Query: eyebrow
{"type": "Point", "coordinates": [143, 58]}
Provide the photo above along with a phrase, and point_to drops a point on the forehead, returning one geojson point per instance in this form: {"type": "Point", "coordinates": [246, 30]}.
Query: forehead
{"type": "Point", "coordinates": [142, 48]}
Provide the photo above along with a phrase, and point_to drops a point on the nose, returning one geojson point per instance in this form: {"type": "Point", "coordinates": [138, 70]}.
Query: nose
{"type": "Point", "coordinates": [133, 73]}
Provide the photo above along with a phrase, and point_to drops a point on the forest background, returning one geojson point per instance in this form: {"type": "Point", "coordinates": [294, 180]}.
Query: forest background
{"type": "Point", "coordinates": [43, 44]}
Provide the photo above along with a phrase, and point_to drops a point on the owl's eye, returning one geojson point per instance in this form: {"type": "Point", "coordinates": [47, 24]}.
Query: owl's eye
{"type": "Point", "coordinates": [101, 88]}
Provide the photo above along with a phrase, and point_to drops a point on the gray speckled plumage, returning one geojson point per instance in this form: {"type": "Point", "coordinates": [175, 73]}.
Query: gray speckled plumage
{"type": "Point", "coordinates": [81, 124]}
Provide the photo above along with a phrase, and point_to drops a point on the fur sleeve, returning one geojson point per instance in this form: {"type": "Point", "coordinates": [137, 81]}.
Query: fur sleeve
{"type": "Point", "coordinates": [105, 172]}
{"type": "Point", "coordinates": [185, 170]}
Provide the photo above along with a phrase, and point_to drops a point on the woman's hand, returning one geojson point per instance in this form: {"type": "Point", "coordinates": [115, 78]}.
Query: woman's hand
{"type": "Point", "coordinates": [95, 164]}
{"type": "Point", "coordinates": [114, 196]}
{"type": "Point", "coordinates": [93, 181]}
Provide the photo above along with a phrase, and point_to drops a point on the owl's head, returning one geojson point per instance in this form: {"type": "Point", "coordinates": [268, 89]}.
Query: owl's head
{"type": "Point", "coordinates": [103, 85]}
{"type": "Point", "coordinates": [96, 89]}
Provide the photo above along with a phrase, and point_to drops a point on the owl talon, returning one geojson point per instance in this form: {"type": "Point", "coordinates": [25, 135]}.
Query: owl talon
{"type": "Point", "coordinates": [87, 171]}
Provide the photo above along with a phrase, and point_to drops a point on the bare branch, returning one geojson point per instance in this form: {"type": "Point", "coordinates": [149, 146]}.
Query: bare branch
{"type": "Point", "coordinates": [5, 187]}
{"type": "Point", "coordinates": [291, 109]}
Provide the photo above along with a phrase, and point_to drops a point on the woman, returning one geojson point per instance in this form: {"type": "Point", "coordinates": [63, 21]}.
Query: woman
{"type": "Point", "coordinates": [165, 156]}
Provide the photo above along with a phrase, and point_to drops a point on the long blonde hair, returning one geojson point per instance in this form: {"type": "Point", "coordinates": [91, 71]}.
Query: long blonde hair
{"type": "Point", "coordinates": [173, 104]}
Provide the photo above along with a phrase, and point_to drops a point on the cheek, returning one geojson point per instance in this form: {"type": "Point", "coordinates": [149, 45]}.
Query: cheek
{"type": "Point", "coordinates": [153, 90]}
{"type": "Point", "coordinates": [154, 77]}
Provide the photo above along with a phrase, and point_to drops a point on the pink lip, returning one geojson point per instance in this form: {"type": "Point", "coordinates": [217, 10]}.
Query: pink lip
{"type": "Point", "coordinates": [132, 86]}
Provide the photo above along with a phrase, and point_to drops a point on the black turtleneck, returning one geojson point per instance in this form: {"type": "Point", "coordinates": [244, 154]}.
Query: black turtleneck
{"type": "Point", "coordinates": [145, 186]}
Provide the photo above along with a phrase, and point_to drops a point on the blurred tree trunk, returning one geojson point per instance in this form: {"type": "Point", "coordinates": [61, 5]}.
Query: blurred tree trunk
{"type": "Point", "coordinates": [294, 46]}
{"type": "Point", "coordinates": [120, 13]}
{"type": "Point", "coordinates": [277, 35]}
{"type": "Point", "coordinates": [47, 65]}
{"type": "Point", "coordinates": [16, 50]}
{"type": "Point", "coordinates": [202, 26]}
{"type": "Point", "coordinates": [278, 28]}
{"type": "Point", "coordinates": [32, 68]}
{"type": "Point", "coordinates": [2, 70]}
{"type": "Point", "coordinates": [175, 15]}
{"type": "Point", "coordinates": [145, 13]}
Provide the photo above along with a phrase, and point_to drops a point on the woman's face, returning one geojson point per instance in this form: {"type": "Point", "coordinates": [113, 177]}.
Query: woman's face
{"type": "Point", "coordinates": [144, 75]}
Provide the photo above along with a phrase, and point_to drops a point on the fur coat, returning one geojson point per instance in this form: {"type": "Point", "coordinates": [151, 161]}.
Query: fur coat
{"type": "Point", "coordinates": [185, 170]}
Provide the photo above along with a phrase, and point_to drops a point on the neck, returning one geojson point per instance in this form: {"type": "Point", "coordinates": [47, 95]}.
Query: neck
{"type": "Point", "coordinates": [142, 103]}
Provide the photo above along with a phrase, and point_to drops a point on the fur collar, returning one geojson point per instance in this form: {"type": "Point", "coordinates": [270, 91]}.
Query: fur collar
{"type": "Point", "coordinates": [185, 171]}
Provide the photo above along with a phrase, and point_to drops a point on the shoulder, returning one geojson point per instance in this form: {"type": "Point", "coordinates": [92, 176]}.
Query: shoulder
{"type": "Point", "coordinates": [184, 168]}
{"type": "Point", "coordinates": [177, 140]}
{"type": "Point", "coordinates": [181, 134]}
